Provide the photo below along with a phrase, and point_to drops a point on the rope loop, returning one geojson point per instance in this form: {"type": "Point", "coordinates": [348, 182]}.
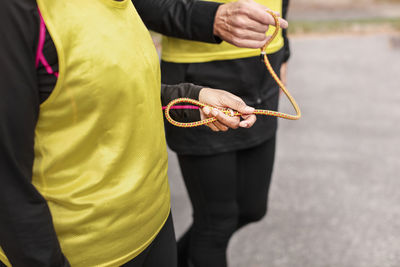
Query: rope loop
{"type": "Point", "coordinates": [235, 113]}
{"type": "Point", "coordinates": [200, 105]}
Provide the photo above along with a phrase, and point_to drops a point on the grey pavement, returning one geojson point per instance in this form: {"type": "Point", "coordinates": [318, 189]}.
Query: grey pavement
{"type": "Point", "coordinates": [335, 196]}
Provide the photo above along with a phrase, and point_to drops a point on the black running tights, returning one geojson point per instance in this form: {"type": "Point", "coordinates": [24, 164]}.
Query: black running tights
{"type": "Point", "coordinates": [227, 191]}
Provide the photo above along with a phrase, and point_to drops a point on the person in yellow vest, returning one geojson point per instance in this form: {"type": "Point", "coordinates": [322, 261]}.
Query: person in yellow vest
{"type": "Point", "coordinates": [227, 175]}
{"type": "Point", "coordinates": [83, 163]}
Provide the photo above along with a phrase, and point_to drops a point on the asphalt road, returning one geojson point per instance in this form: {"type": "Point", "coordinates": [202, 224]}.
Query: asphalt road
{"type": "Point", "coordinates": [335, 196]}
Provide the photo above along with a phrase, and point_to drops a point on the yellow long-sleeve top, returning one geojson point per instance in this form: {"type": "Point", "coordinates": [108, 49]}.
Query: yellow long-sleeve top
{"type": "Point", "coordinates": [183, 51]}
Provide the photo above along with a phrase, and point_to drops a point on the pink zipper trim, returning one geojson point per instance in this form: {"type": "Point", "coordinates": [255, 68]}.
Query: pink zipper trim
{"type": "Point", "coordinates": [181, 107]}
{"type": "Point", "coordinates": [42, 36]}
{"type": "Point", "coordinates": [39, 54]}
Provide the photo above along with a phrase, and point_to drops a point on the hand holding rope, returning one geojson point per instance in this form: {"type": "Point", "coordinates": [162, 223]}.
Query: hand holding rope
{"type": "Point", "coordinates": [235, 113]}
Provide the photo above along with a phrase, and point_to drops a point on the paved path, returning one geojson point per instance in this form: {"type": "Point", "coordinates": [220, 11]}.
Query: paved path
{"type": "Point", "coordinates": [335, 197]}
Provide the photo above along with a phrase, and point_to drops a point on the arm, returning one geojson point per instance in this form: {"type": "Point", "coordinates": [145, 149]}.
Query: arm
{"type": "Point", "coordinates": [242, 23]}
{"type": "Point", "coordinates": [171, 92]}
{"type": "Point", "coordinates": [186, 19]}
{"type": "Point", "coordinates": [27, 235]}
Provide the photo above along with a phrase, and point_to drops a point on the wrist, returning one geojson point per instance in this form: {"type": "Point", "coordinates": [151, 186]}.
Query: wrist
{"type": "Point", "coordinates": [203, 20]}
{"type": "Point", "coordinates": [218, 20]}
{"type": "Point", "coordinates": [202, 94]}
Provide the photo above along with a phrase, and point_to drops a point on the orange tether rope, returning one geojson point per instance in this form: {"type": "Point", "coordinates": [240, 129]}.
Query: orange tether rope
{"type": "Point", "coordinates": [230, 112]}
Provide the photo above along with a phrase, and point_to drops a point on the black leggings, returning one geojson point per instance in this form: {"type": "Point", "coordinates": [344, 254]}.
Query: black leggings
{"type": "Point", "coordinates": [227, 191]}
{"type": "Point", "coordinates": [161, 252]}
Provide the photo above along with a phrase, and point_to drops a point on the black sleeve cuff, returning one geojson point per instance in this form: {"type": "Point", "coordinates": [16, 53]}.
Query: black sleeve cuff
{"type": "Point", "coordinates": [286, 47]}
{"type": "Point", "coordinates": [203, 21]}
{"type": "Point", "coordinates": [171, 92]}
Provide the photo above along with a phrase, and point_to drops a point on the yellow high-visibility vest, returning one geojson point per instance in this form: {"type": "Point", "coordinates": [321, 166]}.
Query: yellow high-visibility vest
{"type": "Point", "coordinates": [100, 151]}
{"type": "Point", "coordinates": [183, 51]}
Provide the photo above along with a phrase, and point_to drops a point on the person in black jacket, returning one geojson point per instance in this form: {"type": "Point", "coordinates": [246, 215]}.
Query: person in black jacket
{"type": "Point", "coordinates": [26, 230]}
{"type": "Point", "coordinates": [227, 175]}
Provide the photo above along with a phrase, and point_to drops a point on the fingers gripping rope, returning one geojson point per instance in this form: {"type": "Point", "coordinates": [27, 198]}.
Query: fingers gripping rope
{"type": "Point", "coordinates": [235, 113]}
{"type": "Point", "coordinates": [199, 104]}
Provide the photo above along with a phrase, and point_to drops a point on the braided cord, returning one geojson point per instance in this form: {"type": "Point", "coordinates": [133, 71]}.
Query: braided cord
{"type": "Point", "coordinates": [235, 113]}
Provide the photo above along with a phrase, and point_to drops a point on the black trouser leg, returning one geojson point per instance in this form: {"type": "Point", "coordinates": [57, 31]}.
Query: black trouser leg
{"type": "Point", "coordinates": [227, 191]}
{"type": "Point", "coordinates": [161, 252]}
{"type": "Point", "coordinates": [215, 212]}
{"type": "Point", "coordinates": [255, 167]}
{"type": "Point", "coordinates": [183, 249]}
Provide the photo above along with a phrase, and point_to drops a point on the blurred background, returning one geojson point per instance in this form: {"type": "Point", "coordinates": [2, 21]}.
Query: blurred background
{"type": "Point", "coordinates": [335, 195]}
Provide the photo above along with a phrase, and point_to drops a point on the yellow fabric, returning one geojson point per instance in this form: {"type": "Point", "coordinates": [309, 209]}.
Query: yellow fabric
{"type": "Point", "coordinates": [100, 151]}
{"type": "Point", "coordinates": [183, 51]}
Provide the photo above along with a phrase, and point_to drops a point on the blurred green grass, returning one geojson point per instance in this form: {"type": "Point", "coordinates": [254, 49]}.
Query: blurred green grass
{"type": "Point", "coordinates": [344, 26]}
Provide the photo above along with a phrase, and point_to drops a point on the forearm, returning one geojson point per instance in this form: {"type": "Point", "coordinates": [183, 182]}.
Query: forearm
{"type": "Point", "coordinates": [27, 234]}
{"type": "Point", "coordinates": [171, 92]}
{"type": "Point", "coordinates": [186, 19]}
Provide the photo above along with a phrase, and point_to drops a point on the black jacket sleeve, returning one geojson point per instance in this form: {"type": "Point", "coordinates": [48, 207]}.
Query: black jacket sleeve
{"type": "Point", "coordinates": [171, 92]}
{"type": "Point", "coordinates": [285, 7]}
{"type": "Point", "coordinates": [27, 234]}
{"type": "Point", "coordinates": [185, 19]}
